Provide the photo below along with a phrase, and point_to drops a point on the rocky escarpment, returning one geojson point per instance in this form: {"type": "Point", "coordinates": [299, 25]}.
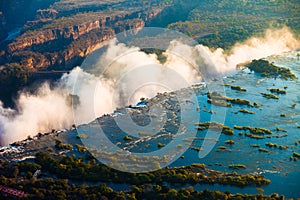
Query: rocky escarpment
{"type": "Point", "coordinates": [67, 47]}
{"type": "Point", "coordinates": [39, 37]}
{"type": "Point", "coordinates": [63, 43]}
{"type": "Point", "coordinates": [46, 14]}
{"type": "Point", "coordinates": [60, 39]}
{"type": "Point", "coordinates": [67, 31]}
{"type": "Point", "coordinates": [119, 22]}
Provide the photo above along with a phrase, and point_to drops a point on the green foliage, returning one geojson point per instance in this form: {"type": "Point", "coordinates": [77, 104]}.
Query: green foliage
{"type": "Point", "coordinates": [13, 74]}
{"type": "Point", "coordinates": [263, 150]}
{"type": "Point", "coordinates": [223, 23]}
{"type": "Point", "coordinates": [76, 169]}
{"type": "Point", "coordinates": [216, 97]}
{"type": "Point", "coordinates": [278, 91]}
{"type": "Point", "coordinates": [269, 144]}
{"type": "Point", "coordinates": [159, 145]}
{"type": "Point", "coordinates": [222, 148]}
{"type": "Point", "coordinates": [230, 142]}
{"type": "Point", "coordinates": [60, 146]}
{"type": "Point", "coordinates": [283, 147]}
{"type": "Point", "coordinates": [238, 88]}
{"type": "Point", "coordinates": [81, 148]}
{"type": "Point", "coordinates": [246, 111]}
{"type": "Point", "coordinates": [270, 70]}
{"type": "Point", "coordinates": [254, 130]}
{"type": "Point", "coordinates": [269, 96]}
{"type": "Point", "coordinates": [254, 136]}
{"type": "Point", "coordinates": [295, 154]}
{"type": "Point", "coordinates": [81, 136]}
{"type": "Point", "coordinates": [237, 166]}
{"type": "Point", "coordinates": [145, 186]}
{"type": "Point", "coordinates": [127, 137]}
{"type": "Point", "coordinates": [214, 126]}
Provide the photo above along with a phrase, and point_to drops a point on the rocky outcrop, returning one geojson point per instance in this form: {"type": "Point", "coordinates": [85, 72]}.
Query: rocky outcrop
{"type": "Point", "coordinates": [46, 14]}
{"type": "Point", "coordinates": [128, 25]}
{"type": "Point", "coordinates": [39, 37]}
{"type": "Point", "coordinates": [54, 42]}
{"type": "Point", "coordinates": [148, 16]}
{"type": "Point", "coordinates": [117, 22]}
{"type": "Point", "coordinates": [56, 38]}
{"type": "Point", "coordinates": [31, 60]}
{"type": "Point", "coordinates": [74, 53]}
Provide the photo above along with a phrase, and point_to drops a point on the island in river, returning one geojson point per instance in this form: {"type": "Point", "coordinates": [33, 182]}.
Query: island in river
{"type": "Point", "coordinates": [257, 150]}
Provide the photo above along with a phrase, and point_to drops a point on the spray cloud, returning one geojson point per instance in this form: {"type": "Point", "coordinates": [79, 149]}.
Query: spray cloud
{"type": "Point", "coordinates": [49, 108]}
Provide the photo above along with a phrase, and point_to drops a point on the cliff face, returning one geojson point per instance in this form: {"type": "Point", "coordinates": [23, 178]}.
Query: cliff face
{"type": "Point", "coordinates": [46, 14]}
{"type": "Point", "coordinates": [67, 46]}
{"type": "Point", "coordinates": [116, 22]}
{"type": "Point", "coordinates": [59, 34]}
{"type": "Point", "coordinates": [60, 39]}
{"type": "Point", "coordinates": [74, 53]}
{"type": "Point", "coordinates": [40, 37]}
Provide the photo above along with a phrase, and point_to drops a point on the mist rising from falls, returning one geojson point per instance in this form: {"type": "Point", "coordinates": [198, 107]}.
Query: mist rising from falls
{"type": "Point", "coordinates": [49, 109]}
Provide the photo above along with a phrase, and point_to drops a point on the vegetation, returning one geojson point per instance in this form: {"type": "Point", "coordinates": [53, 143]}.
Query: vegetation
{"type": "Point", "coordinates": [127, 137]}
{"type": "Point", "coordinates": [295, 154]}
{"type": "Point", "coordinates": [217, 99]}
{"type": "Point", "coordinates": [60, 146]}
{"type": "Point", "coordinates": [281, 147]}
{"type": "Point", "coordinates": [256, 105]}
{"type": "Point", "coordinates": [196, 148]}
{"type": "Point", "coordinates": [240, 101]}
{"type": "Point", "coordinates": [270, 70]}
{"type": "Point", "coordinates": [254, 130]}
{"type": "Point", "coordinates": [278, 91]}
{"type": "Point", "coordinates": [222, 24]}
{"type": "Point", "coordinates": [199, 21]}
{"type": "Point", "coordinates": [81, 136]}
{"type": "Point", "coordinates": [81, 148]}
{"type": "Point", "coordinates": [159, 145]}
{"type": "Point", "coordinates": [280, 129]}
{"type": "Point", "coordinates": [263, 150]}
{"type": "Point", "coordinates": [269, 96]}
{"type": "Point", "coordinates": [239, 88]}
{"type": "Point", "coordinates": [214, 126]}
{"type": "Point", "coordinates": [246, 111]}
{"type": "Point", "coordinates": [237, 166]}
{"type": "Point", "coordinates": [74, 168]}
{"type": "Point", "coordinates": [144, 134]}
{"type": "Point", "coordinates": [12, 78]}
{"type": "Point", "coordinates": [230, 142]}
{"type": "Point", "coordinates": [219, 103]}
{"type": "Point", "coordinates": [222, 148]}
{"type": "Point", "coordinates": [254, 136]}
{"type": "Point", "coordinates": [50, 188]}
{"type": "Point", "coordinates": [269, 144]}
